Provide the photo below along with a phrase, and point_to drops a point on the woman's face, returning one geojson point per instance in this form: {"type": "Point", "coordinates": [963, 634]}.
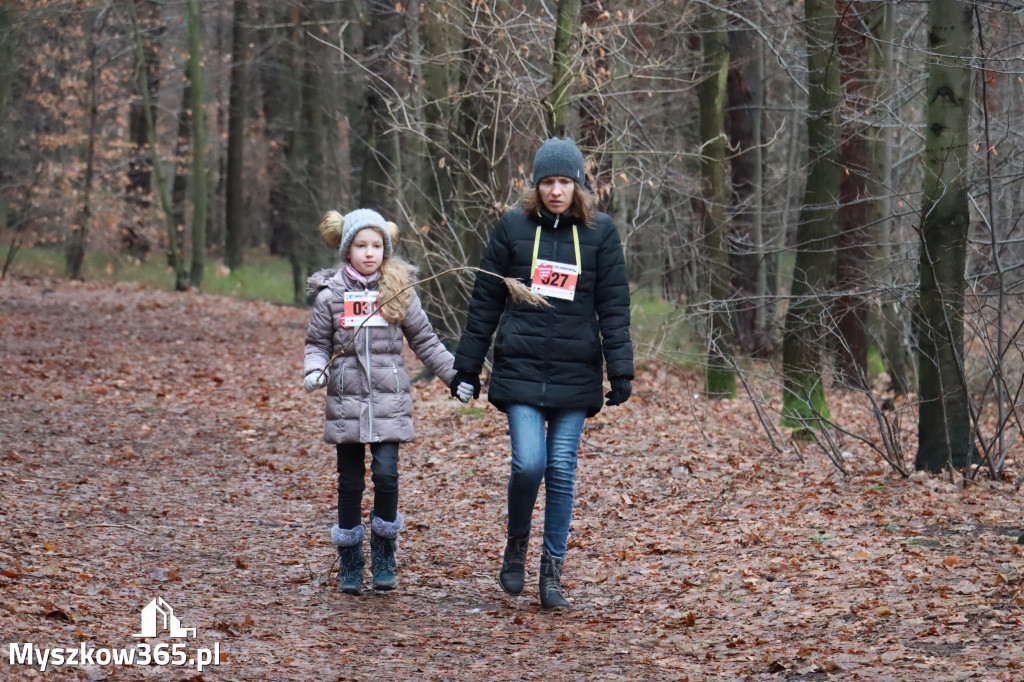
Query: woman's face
{"type": "Point", "coordinates": [556, 193]}
{"type": "Point", "coordinates": [366, 252]}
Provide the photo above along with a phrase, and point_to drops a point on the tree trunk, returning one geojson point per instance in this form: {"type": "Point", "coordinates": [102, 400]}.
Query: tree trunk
{"type": "Point", "coordinates": [850, 307]}
{"type": "Point", "coordinates": [173, 250]}
{"type": "Point", "coordinates": [721, 378]}
{"type": "Point", "coordinates": [945, 438]}
{"type": "Point", "coordinates": [561, 67]}
{"type": "Point", "coordinates": [889, 317]}
{"type": "Point", "coordinates": [179, 184]}
{"type": "Point", "coordinates": [378, 148]}
{"type": "Point", "coordinates": [596, 128]}
{"type": "Point", "coordinates": [74, 253]}
{"type": "Point", "coordinates": [139, 185]}
{"type": "Point", "coordinates": [8, 48]}
{"type": "Point", "coordinates": [235, 204]}
{"type": "Point", "coordinates": [200, 188]}
{"type": "Point", "coordinates": [746, 242]}
{"type": "Point", "coordinates": [804, 403]}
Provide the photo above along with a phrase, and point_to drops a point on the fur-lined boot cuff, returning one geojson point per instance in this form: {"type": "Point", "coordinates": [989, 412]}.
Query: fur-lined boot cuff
{"type": "Point", "coordinates": [387, 529]}
{"type": "Point", "coordinates": [348, 538]}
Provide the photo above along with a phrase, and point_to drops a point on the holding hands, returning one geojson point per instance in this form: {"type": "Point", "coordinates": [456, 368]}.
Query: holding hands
{"type": "Point", "coordinates": [314, 380]}
{"type": "Point", "coordinates": [465, 386]}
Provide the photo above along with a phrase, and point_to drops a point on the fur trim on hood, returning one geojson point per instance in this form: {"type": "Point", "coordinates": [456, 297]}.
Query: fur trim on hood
{"type": "Point", "coordinates": [318, 280]}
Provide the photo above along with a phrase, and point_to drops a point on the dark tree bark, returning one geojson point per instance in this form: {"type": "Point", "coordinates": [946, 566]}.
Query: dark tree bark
{"type": "Point", "coordinates": [850, 311]}
{"type": "Point", "coordinates": [200, 184]}
{"type": "Point", "coordinates": [945, 438]}
{"type": "Point", "coordinates": [235, 205]}
{"type": "Point", "coordinates": [752, 276]}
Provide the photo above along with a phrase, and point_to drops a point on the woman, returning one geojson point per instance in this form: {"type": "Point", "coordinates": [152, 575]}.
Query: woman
{"type": "Point", "coordinates": [547, 369]}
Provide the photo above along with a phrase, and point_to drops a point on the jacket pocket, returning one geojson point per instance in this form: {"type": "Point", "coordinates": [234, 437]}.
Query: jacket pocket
{"type": "Point", "coordinates": [337, 368]}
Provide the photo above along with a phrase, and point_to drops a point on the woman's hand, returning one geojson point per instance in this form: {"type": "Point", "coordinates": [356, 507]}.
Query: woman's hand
{"type": "Point", "coordinates": [622, 388]}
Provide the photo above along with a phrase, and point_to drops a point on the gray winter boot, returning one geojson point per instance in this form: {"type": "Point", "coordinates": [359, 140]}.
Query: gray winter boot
{"type": "Point", "coordinates": [550, 582]}
{"type": "Point", "coordinates": [383, 545]}
{"type": "Point", "coordinates": [513, 563]}
{"type": "Point", "coordinates": [350, 558]}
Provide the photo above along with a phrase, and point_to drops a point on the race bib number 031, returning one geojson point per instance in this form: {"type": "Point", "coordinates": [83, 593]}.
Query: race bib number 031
{"type": "Point", "coordinates": [555, 280]}
{"type": "Point", "coordinates": [360, 305]}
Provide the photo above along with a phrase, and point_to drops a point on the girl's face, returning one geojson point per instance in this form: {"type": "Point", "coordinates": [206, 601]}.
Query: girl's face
{"type": "Point", "coordinates": [366, 252]}
{"type": "Point", "coordinates": [556, 193]}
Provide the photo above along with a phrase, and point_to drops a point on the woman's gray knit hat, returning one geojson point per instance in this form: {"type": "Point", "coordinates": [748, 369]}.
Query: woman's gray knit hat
{"type": "Point", "coordinates": [561, 157]}
{"type": "Point", "coordinates": [359, 219]}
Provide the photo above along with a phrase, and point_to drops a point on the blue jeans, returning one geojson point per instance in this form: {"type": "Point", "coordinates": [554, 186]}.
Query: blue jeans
{"type": "Point", "coordinates": [551, 458]}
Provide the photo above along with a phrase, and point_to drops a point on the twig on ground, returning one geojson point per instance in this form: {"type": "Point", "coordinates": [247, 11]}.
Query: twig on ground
{"type": "Point", "coordinates": [112, 525]}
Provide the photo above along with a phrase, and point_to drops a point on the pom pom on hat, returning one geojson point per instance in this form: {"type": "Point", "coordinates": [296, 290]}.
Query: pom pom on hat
{"type": "Point", "coordinates": [339, 231]}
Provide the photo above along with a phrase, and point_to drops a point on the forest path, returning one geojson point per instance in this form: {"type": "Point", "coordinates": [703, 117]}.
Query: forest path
{"type": "Point", "coordinates": [157, 444]}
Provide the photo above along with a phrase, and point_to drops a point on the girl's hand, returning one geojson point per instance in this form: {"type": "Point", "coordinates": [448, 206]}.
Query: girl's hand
{"type": "Point", "coordinates": [464, 392]}
{"type": "Point", "coordinates": [465, 386]}
{"type": "Point", "coordinates": [314, 380]}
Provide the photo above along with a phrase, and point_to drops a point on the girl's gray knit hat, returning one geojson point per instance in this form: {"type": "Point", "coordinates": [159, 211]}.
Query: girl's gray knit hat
{"type": "Point", "coordinates": [561, 157]}
{"type": "Point", "coordinates": [359, 219]}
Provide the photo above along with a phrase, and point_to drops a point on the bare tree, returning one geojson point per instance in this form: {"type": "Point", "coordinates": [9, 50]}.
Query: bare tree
{"type": "Point", "coordinates": [720, 376]}
{"type": "Point", "coordinates": [945, 435]}
{"type": "Point", "coordinates": [804, 404]}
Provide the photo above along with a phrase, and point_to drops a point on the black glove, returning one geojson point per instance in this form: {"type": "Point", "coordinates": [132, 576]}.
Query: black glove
{"type": "Point", "coordinates": [622, 388]}
{"type": "Point", "coordinates": [469, 378]}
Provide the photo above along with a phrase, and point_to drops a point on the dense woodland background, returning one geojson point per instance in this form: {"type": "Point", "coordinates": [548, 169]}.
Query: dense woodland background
{"type": "Point", "coordinates": [812, 196]}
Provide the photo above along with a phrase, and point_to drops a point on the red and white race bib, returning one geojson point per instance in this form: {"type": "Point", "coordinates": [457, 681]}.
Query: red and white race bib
{"type": "Point", "coordinates": [555, 280]}
{"type": "Point", "coordinates": [360, 306]}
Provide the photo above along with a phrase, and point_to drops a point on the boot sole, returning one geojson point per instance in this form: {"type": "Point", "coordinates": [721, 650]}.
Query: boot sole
{"type": "Point", "coordinates": [355, 591]}
{"type": "Point", "coordinates": [384, 587]}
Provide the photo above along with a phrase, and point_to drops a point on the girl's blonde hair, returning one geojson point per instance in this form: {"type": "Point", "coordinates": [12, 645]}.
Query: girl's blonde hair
{"type": "Point", "coordinates": [584, 203]}
{"type": "Point", "coordinates": [395, 273]}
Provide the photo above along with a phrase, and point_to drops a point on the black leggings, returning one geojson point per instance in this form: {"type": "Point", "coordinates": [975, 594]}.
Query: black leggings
{"type": "Point", "coordinates": [352, 482]}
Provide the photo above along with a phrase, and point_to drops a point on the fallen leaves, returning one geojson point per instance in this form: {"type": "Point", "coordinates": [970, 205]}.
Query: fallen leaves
{"type": "Point", "coordinates": [188, 463]}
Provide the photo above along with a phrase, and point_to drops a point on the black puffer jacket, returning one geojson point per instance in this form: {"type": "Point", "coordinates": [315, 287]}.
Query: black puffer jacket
{"type": "Point", "coordinates": [550, 357]}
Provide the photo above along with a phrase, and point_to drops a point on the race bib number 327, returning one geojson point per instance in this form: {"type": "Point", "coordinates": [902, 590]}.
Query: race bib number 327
{"type": "Point", "coordinates": [360, 306]}
{"type": "Point", "coordinates": [555, 280]}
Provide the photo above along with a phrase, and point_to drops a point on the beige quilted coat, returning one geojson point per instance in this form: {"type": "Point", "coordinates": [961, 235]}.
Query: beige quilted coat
{"type": "Point", "coordinates": [368, 397]}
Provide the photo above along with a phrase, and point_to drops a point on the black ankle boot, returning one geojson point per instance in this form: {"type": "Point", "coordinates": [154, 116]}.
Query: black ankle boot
{"type": "Point", "coordinates": [513, 563]}
{"type": "Point", "coordinates": [383, 545]}
{"type": "Point", "coordinates": [550, 582]}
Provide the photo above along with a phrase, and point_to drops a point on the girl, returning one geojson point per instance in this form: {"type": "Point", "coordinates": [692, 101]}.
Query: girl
{"type": "Point", "coordinates": [368, 399]}
{"type": "Point", "coordinates": [548, 362]}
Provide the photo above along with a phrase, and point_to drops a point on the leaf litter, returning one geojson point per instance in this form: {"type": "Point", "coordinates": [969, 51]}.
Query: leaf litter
{"type": "Point", "coordinates": [160, 444]}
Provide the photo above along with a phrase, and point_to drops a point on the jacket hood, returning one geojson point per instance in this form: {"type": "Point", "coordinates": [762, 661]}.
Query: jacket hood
{"type": "Point", "coordinates": [318, 280]}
